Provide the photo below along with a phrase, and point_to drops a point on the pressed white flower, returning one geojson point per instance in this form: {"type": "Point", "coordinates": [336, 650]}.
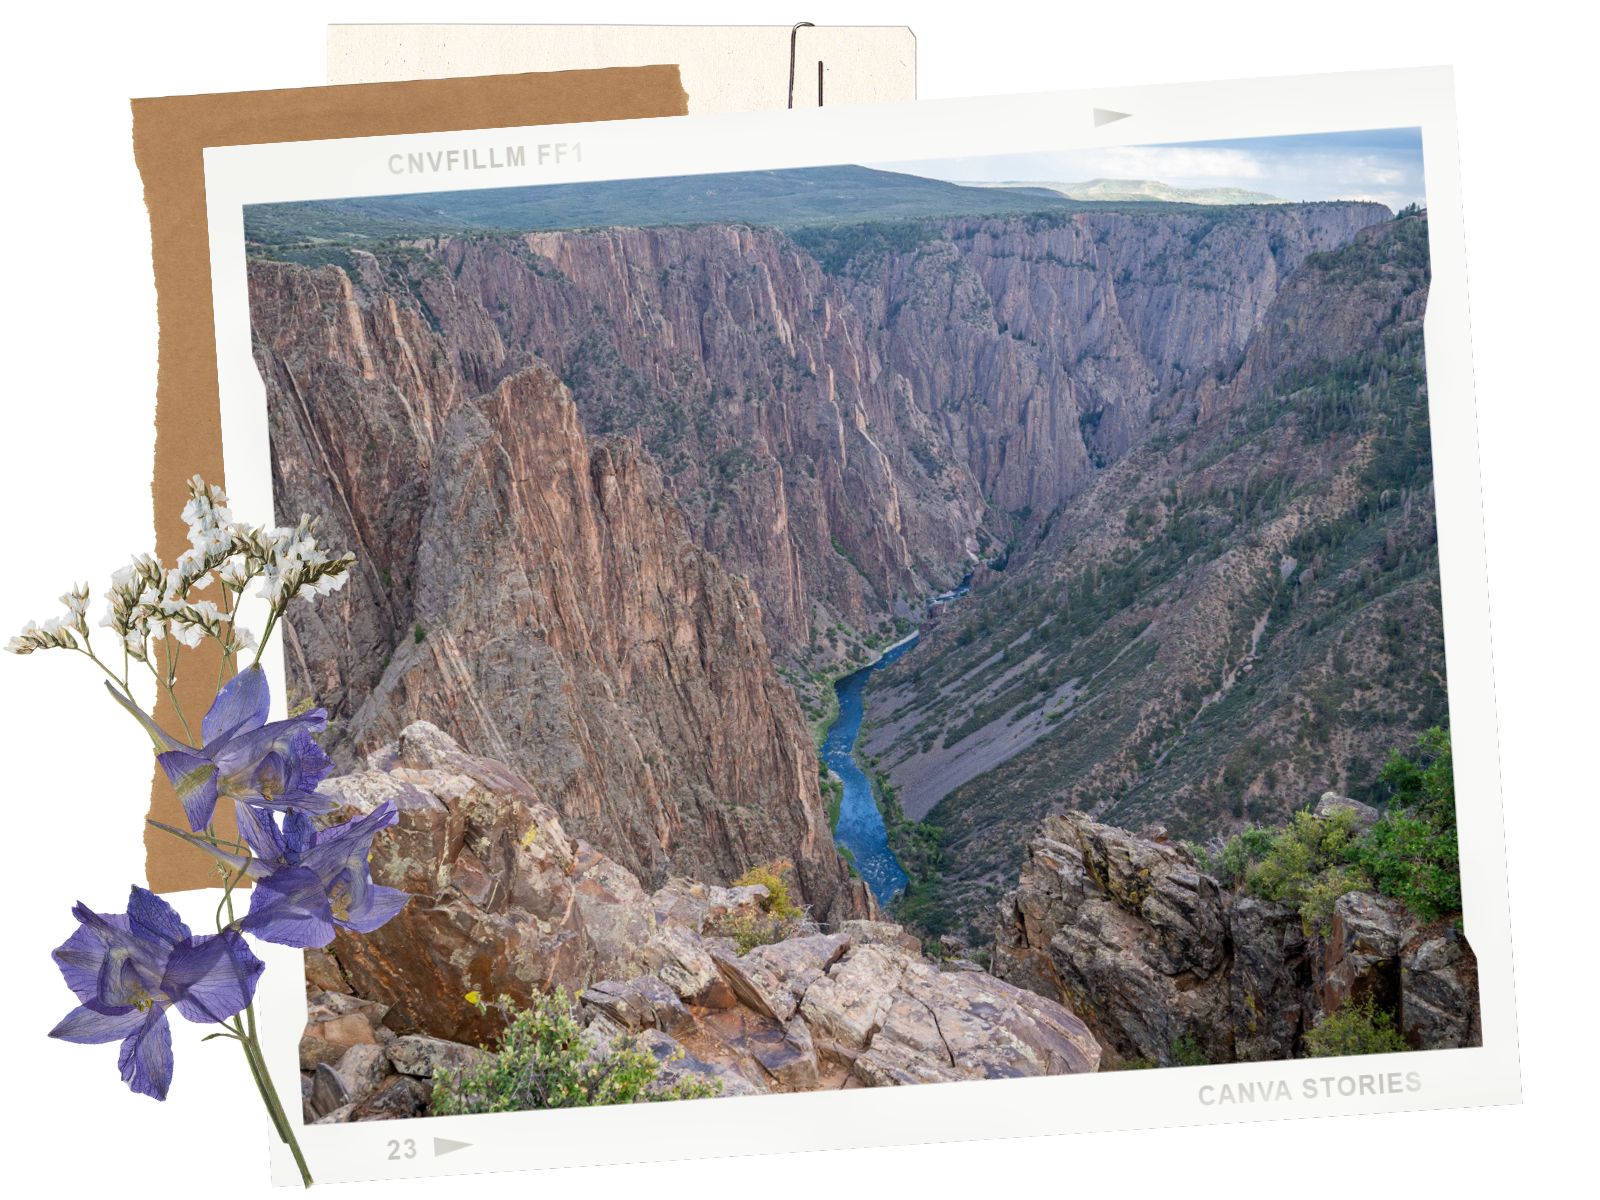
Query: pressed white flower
{"type": "Point", "coordinates": [54, 634]}
{"type": "Point", "coordinates": [209, 519]}
{"type": "Point", "coordinates": [77, 600]}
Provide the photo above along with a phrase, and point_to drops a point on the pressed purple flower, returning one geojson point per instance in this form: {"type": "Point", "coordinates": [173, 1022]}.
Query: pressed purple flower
{"type": "Point", "coordinates": [128, 969]}
{"type": "Point", "coordinates": [276, 766]}
{"type": "Point", "coordinates": [321, 879]}
{"type": "Point", "coordinates": [310, 882]}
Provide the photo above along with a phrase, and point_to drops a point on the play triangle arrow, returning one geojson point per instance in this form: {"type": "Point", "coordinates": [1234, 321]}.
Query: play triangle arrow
{"type": "Point", "coordinates": [443, 1146]}
{"type": "Point", "coordinates": [1104, 116]}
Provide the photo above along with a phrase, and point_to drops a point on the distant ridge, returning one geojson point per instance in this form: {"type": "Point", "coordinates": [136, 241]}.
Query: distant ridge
{"type": "Point", "coordinates": [787, 199]}
{"type": "Point", "coordinates": [1134, 190]}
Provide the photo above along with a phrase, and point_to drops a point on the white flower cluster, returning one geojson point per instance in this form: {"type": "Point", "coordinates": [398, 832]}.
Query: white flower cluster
{"type": "Point", "coordinates": [289, 563]}
{"type": "Point", "coordinates": [148, 601]}
{"type": "Point", "coordinates": [57, 632]}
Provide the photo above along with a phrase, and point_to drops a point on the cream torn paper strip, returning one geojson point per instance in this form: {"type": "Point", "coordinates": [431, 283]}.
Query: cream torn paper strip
{"type": "Point", "coordinates": [725, 68]}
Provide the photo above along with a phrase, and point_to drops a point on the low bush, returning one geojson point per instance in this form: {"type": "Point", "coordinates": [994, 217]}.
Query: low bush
{"type": "Point", "coordinates": [1354, 1029]}
{"type": "Point", "coordinates": [1413, 853]}
{"type": "Point", "coordinates": [774, 876]}
{"type": "Point", "coordinates": [542, 1061]}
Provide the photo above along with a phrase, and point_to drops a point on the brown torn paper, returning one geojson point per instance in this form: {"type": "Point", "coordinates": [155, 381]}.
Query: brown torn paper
{"type": "Point", "coordinates": [170, 135]}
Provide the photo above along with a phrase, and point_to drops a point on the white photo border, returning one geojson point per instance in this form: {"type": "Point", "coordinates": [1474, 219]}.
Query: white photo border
{"type": "Point", "coordinates": [237, 176]}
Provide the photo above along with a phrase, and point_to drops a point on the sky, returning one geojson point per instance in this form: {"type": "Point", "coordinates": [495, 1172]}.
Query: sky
{"type": "Point", "coordinates": [1381, 164]}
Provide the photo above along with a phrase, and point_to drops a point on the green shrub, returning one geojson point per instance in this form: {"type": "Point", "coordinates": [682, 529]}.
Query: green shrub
{"type": "Point", "coordinates": [749, 930]}
{"type": "Point", "coordinates": [1354, 1029]}
{"type": "Point", "coordinates": [543, 1062]}
{"type": "Point", "coordinates": [774, 877]}
{"type": "Point", "coordinates": [1187, 1052]}
{"type": "Point", "coordinates": [1412, 853]}
{"type": "Point", "coordinates": [1305, 864]}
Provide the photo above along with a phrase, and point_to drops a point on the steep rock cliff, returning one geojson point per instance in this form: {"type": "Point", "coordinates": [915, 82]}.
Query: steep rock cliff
{"type": "Point", "coordinates": [535, 594]}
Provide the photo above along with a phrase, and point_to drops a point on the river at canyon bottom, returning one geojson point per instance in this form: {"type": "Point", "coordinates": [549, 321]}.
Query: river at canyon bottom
{"type": "Point", "coordinates": [860, 829]}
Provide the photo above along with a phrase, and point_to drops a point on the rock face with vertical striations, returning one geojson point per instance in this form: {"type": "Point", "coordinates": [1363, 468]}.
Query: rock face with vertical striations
{"type": "Point", "coordinates": [536, 594]}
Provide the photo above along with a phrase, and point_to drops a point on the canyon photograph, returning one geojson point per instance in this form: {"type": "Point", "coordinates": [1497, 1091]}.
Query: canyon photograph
{"type": "Point", "coordinates": [870, 625]}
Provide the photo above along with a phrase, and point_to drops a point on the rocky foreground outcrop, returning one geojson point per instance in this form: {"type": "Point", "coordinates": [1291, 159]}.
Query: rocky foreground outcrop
{"type": "Point", "coordinates": [1154, 954]}
{"type": "Point", "coordinates": [506, 903]}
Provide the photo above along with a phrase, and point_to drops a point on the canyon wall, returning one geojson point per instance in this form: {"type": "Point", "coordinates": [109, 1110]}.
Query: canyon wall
{"type": "Point", "coordinates": [535, 593]}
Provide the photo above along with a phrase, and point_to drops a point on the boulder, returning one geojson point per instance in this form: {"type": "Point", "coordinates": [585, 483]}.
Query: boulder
{"type": "Point", "coordinates": [847, 1006]}
{"type": "Point", "coordinates": [692, 904]}
{"type": "Point", "coordinates": [1439, 990]}
{"type": "Point", "coordinates": [363, 1068]}
{"type": "Point", "coordinates": [1148, 950]}
{"type": "Point", "coordinates": [1364, 816]}
{"type": "Point", "coordinates": [646, 1002]}
{"type": "Point", "coordinates": [505, 902]}
{"type": "Point", "coordinates": [423, 1057]}
{"type": "Point", "coordinates": [1359, 960]}
{"type": "Point", "coordinates": [397, 1097]}
{"type": "Point", "coordinates": [334, 1023]}
{"type": "Point", "coordinates": [880, 933]}
{"type": "Point", "coordinates": [1126, 932]}
{"type": "Point", "coordinates": [677, 1066]}
{"type": "Point", "coordinates": [328, 1091]}
{"type": "Point", "coordinates": [784, 970]}
{"type": "Point", "coordinates": [682, 961]}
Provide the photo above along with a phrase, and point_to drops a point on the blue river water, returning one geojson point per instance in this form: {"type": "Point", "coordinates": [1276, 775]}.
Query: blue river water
{"type": "Point", "coordinates": [860, 828]}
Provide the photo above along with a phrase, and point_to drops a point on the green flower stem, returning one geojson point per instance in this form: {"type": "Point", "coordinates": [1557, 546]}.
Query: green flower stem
{"type": "Point", "coordinates": [172, 675]}
{"type": "Point", "coordinates": [269, 1094]}
{"type": "Point", "coordinates": [266, 636]}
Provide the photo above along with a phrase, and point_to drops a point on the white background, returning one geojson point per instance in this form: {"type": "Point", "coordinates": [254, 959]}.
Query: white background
{"type": "Point", "coordinates": [78, 352]}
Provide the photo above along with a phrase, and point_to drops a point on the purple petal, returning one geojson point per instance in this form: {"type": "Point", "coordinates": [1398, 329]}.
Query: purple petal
{"type": "Point", "coordinates": [81, 956]}
{"type": "Point", "coordinates": [259, 830]}
{"type": "Point", "coordinates": [194, 778]}
{"type": "Point", "coordinates": [374, 906]}
{"type": "Point", "coordinates": [241, 705]}
{"type": "Point", "coordinates": [290, 907]}
{"type": "Point", "coordinates": [299, 833]}
{"type": "Point", "coordinates": [121, 983]}
{"type": "Point", "coordinates": [212, 977]}
{"type": "Point", "coordinates": [146, 1058]}
{"type": "Point", "coordinates": [151, 917]}
{"type": "Point", "coordinates": [351, 841]}
{"type": "Point", "coordinates": [90, 1025]}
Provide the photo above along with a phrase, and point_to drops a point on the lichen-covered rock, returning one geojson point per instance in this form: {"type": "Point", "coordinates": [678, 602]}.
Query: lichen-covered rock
{"type": "Point", "coordinates": [1151, 952]}
{"type": "Point", "coordinates": [647, 1002]}
{"type": "Point", "coordinates": [1127, 932]}
{"type": "Point", "coordinates": [397, 1097]}
{"type": "Point", "coordinates": [848, 1005]}
{"type": "Point", "coordinates": [505, 902]}
{"type": "Point", "coordinates": [424, 1057]}
{"type": "Point", "coordinates": [692, 904]}
{"type": "Point", "coordinates": [1362, 816]}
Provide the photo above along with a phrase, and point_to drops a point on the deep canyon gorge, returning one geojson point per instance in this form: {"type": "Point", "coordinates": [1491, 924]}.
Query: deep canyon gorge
{"type": "Point", "coordinates": [628, 501]}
